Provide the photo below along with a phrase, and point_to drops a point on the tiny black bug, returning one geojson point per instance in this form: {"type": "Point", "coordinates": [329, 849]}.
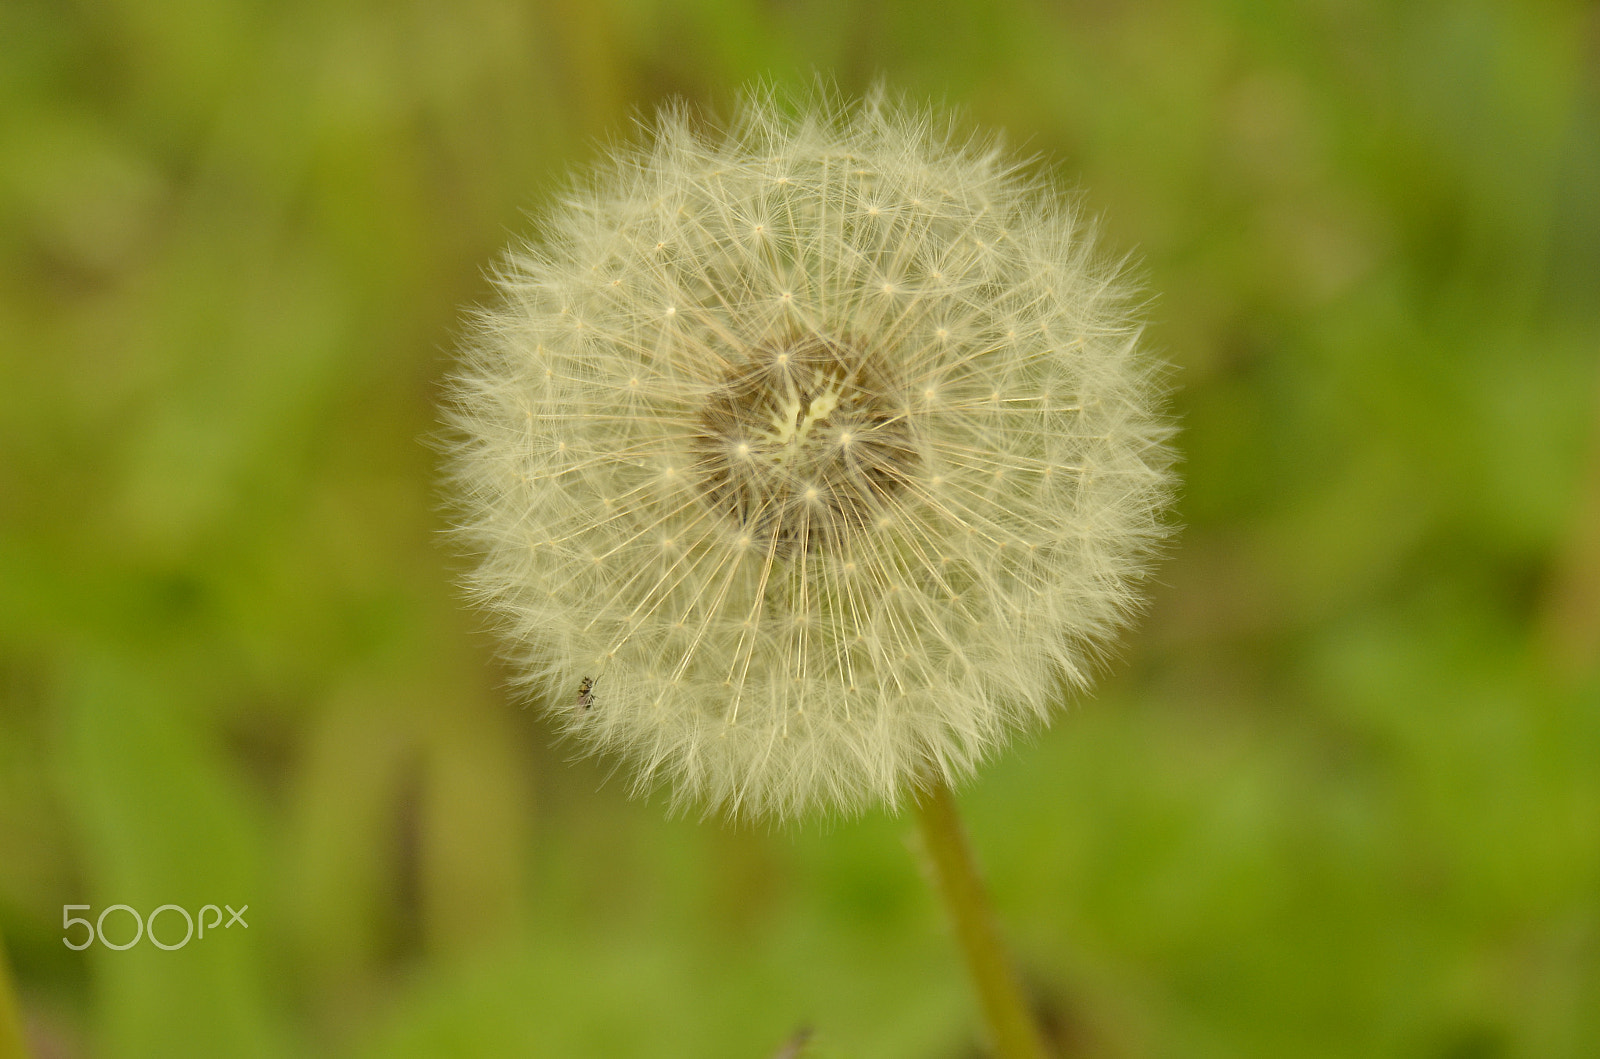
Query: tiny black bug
{"type": "Point", "coordinates": [585, 693]}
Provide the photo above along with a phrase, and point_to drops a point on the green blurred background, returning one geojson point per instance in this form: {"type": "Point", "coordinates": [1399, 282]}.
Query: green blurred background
{"type": "Point", "coordinates": [1340, 796]}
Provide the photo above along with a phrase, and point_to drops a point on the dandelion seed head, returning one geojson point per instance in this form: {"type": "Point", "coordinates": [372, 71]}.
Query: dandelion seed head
{"type": "Point", "coordinates": [807, 456]}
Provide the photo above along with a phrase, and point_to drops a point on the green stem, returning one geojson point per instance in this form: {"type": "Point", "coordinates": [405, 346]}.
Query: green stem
{"type": "Point", "coordinates": [1012, 1030]}
{"type": "Point", "coordinates": [12, 1045]}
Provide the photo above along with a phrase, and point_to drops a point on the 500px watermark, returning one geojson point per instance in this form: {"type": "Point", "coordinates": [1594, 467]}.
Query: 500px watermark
{"type": "Point", "coordinates": [143, 926]}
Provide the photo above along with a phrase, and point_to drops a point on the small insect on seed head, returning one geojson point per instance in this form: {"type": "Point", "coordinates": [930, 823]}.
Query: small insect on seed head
{"type": "Point", "coordinates": [585, 694]}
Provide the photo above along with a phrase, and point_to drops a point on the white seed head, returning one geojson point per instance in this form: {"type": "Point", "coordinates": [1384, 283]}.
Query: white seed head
{"type": "Point", "coordinates": [807, 458]}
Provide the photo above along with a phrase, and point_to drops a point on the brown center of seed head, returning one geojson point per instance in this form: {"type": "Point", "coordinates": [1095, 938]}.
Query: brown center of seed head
{"type": "Point", "coordinates": [805, 441]}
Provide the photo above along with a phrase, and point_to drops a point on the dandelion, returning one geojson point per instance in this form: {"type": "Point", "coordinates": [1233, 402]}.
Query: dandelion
{"type": "Point", "coordinates": [808, 458]}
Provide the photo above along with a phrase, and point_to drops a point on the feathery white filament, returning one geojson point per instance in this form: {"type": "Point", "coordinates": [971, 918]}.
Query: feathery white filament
{"type": "Point", "coordinates": [807, 456]}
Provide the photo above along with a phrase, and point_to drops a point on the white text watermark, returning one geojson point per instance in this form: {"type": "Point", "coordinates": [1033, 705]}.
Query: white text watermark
{"type": "Point", "coordinates": [145, 927]}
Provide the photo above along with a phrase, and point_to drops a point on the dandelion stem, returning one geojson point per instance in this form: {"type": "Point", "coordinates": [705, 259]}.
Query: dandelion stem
{"type": "Point", "coordinates": [1012, 1030]}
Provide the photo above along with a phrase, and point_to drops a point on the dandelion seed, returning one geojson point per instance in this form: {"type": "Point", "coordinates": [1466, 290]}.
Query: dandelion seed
{"type": "Point", "coordinates": [847, 538]}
